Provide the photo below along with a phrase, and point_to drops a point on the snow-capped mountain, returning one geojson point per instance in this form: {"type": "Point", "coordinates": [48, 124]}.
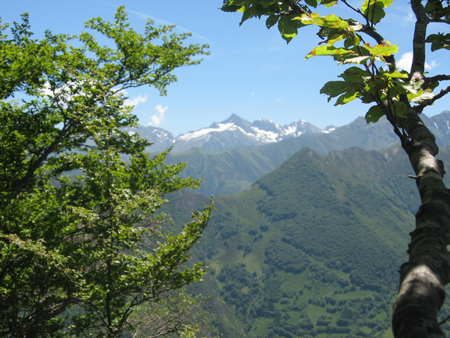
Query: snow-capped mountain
{"type": "Point", "coordinates": [231, 133]}
{"type": "Point", "coordinates": [236, 132]}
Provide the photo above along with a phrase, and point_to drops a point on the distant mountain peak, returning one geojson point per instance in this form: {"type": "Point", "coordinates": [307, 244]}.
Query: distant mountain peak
{"type": "Point", "coordinates": [236, 131]}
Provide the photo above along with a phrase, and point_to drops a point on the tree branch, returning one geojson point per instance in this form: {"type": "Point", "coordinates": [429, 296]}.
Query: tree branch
{"type": "Point", "coordinates": [423, 277]}
{"type": "Point", "coordinates": [442, 93]}
{"type": "Point", "coordinates": [420, 34]}
{"type": "Point", "coordinates": [432, 79]}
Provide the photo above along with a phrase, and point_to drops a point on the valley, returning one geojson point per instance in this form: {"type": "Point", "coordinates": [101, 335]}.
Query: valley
{"type": "Point", "coordinates": [310, 249]}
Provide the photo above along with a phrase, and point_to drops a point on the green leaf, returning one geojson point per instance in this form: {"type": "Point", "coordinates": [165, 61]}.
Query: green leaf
{"type": "Point", "coordinates": [421, 96]}
{"type": "Point", "coordinates": [400, 108]}
{"type": "Point", "coordinates": [267, 3]}
{"type": "Point", "coordinates": [272, 20]}
{"type": "Point", "coordinates": [328, 3]}
{"type": "Point", "coordinates": [396, 74]}
{"type": "Point", "coordinates": [381, 49]}
{"type": "Point", "coordinates": [329, 50]}
{"type": "Point", "coordinates": [287, 28]}
{"type": "Point", "coordinates": [347, 97]}
{"type": "Point", "coordinates": [373, 10]}
{"type": "Point", "coordinates": [334, 38]}
{"type": "Point", "coordinates": [334, 88]}
{"type": "Point", "coordinates": [329, 21]}
{"type": "Point", "coordinates": [357, 60]}
{"type": "Point", "coordinates": [312, 3]}
{"type": "Point", "coordinates": [249, 12]}
{"type": "Point", "coordinates": [231, 8]}
{"type": "Point", "coordinates": [439, 41]}
{"type": "Point", "coordinates": [374, 114]}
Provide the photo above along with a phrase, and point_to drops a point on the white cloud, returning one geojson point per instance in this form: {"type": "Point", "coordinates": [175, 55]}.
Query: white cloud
{"type": "Point", "coordinates": [136, 100]}
{"type": "Point", "coordinates": [278, 100]}
{"type": "Point", "coordinates": [431, 66]}
{"type": "Point", "coordinates": [405, 62]}
{"type": "Point", "coordinates": [157, 119]}
{"type": "Point", "coordinates": [132, 102]}
{"type": "Point", "coordinates": [253, 93]}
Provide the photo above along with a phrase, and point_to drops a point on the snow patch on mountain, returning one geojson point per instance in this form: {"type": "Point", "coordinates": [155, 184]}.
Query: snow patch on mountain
{"type": "Point", "coordinates": [202, 132]}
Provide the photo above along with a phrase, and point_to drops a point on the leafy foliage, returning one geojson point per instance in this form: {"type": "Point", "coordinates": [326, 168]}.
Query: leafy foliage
{"type": "Point", "coordinates": [79, 256]}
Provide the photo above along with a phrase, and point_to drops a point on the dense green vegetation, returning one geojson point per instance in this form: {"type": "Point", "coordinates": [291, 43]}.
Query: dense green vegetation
{"type": "Point", "coordinates": [88, 257]}
{"type": "Point", "coordinates": [312, 249]}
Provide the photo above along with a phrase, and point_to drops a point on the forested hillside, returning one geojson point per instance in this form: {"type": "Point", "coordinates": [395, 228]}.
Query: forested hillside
{"type": "Point", "coordinates": [312, 249]}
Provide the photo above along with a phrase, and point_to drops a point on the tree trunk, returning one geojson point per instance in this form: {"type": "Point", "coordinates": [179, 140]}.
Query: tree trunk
{"type": "Point", "coordinates": [422, 278]}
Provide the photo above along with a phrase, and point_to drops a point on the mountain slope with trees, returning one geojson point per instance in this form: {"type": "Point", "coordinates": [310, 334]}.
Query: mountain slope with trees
{"type": "Point", "coordinates": [311, 249]}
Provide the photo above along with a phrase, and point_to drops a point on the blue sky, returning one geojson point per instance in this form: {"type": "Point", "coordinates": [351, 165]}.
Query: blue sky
{"type": "Point", "coordinates": [251, 71]}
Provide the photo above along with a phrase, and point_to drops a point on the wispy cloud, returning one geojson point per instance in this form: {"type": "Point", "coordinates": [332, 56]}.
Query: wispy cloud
{"type": "Point", "coordinates": [157, 119]}
{"type": "Point", "coordinates": [432, 65]}
{"type": "Point", "coordinates": [405, 62]}
{"type": "Point", "coordinates": [167, 23]}
{"type": "Point", "coordinates": [409, 18]}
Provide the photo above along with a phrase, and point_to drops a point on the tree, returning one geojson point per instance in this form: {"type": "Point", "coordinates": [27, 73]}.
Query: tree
{"type": "Point", "coordinates": [400, 96]}
{"type": "Point", "coordinates": [79, 255]}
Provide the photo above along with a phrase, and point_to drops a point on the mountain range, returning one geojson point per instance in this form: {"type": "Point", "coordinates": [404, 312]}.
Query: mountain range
{"type": "Point", "coordinates": [236, 169]}
{"type": "Point", "coordinates": [231, 133]}
{"type": "Point", "coordinates": [236, 132]}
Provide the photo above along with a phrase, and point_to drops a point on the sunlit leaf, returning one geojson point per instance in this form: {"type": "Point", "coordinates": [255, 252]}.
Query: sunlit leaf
{"type": "Point", "coordinates": [357, 60]}
{"type": "Point", "coordinates": [397, 74]}
{"type": "Point", "coordinates": [329, 50]}
{"type": "Point", "coordinates": [329, 21]}
{"type": "Point", "coordinates": [328, 3]}
{"type": "Point", "coordinates": [381, 49]}
{"type": "Point", "coordinates": [346, 98]}
{"type": "Point", "coordinates": [421, 96]}
{"type": "Point", "coordinates": [334, 38]}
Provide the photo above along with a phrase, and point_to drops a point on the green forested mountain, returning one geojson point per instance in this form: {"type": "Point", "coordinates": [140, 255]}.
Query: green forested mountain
{"type": "Point", "coordinates": [237, 169]}
{"type": "Point", "coordinates": [312, 249]}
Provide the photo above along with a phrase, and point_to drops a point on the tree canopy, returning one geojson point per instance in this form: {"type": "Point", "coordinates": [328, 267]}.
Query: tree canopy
{"type": "Point", "coordinates": [79, 254]}
{"type": "Point", "coordinates": [373, 77]}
